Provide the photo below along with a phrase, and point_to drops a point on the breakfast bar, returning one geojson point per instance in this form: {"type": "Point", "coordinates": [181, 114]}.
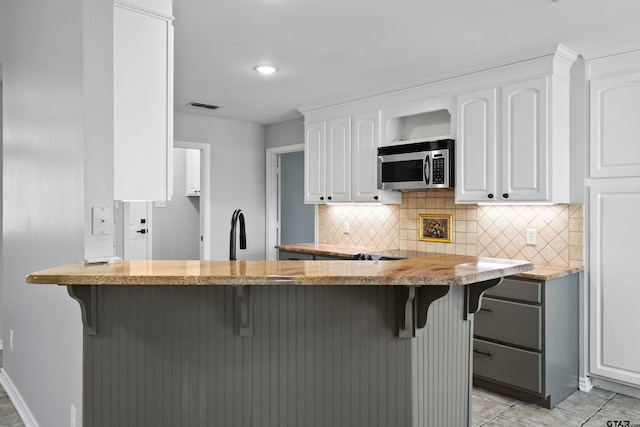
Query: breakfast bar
{"type": "Point", "coordinates": [279, 343]}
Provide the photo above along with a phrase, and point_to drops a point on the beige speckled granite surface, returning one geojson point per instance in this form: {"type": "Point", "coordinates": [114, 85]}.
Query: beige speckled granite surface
{"type": "Point", "coordinates": [432, 270]}
{"type": "Point", "coordinates": [540, 271]}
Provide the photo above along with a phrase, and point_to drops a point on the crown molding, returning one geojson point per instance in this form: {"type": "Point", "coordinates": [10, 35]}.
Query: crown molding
{"type": "Point", "coordinates": [146, 11]}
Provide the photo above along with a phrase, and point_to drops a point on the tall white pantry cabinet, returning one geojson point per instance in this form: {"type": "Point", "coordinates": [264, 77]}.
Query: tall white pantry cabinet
{"type": "Point", "coordinates": [614, 234]}
{"type": "Point", "coordinates": [143, 99]}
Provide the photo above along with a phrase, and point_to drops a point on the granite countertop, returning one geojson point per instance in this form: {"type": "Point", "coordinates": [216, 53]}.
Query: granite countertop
{"type": "Point", "coordinates": [431, 270]}
{"type": "Point", "coordinates": [539, 272]}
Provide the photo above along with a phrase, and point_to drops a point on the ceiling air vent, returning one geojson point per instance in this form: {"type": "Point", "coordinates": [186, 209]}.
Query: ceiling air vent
{"type": "Point", "coordinates": [201, 105]}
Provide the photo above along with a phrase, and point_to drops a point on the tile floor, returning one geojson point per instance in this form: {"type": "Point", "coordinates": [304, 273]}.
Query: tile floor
{"type": "Point", "coordinates": [591, 409]}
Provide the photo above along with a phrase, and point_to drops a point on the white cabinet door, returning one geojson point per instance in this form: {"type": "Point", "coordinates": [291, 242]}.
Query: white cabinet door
{"type": "Point", "coordinates": [613, 280]}
{"type": "Point", "coordinates": [525, 142]}
{"type": "Point", "coordinates": [143, 104]}
{"type": "Point", "coordinates": [476, 147]}
{"type": "Point", "coordinates": [314, 160]}
{"type": "Point", "coordinates": [366, 140]}
{"type": "Point", "coordinates": [338, 160]}
{"type": "Point", "coordinates": [615, 126]}
{"type": "Point", "coordinates": [193, 172]}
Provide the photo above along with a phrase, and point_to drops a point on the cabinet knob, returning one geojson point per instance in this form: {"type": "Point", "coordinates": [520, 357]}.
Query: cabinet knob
{"type": "Point", "coordinates": [321, 198]}
{"type": "Point", "coordinates": [505, 196]}
{"type": "Point", "coordinates": [329, 198]}
{"type": "Point", "coordinates": [490, 196]}
{"type": "Point", "coordinates": [375, 197]}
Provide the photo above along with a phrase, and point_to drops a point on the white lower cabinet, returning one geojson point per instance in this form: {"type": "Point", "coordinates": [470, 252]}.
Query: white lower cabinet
{"type": "Point", "coordinates": [614, 288]}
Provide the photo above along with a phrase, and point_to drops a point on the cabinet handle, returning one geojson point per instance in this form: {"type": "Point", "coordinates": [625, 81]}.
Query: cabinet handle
{"type": "Point", "coordinates": [329, 198]}
{"type": "Point", "coordinates": [483, 353]}
{"type": "Point", "coordinates": [375, 197]}
{"type": "Point", "coordinates": [486, 309]}
{"type": "Point", "coordinates": [505, 196]}
{"type": "Point", "coordinates": [490, 196]}
{"type": "Point", "coordinates": [321, 197]}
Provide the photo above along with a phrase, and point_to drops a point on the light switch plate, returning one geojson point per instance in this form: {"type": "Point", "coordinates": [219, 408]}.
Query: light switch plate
{"type": "Point", "coordinates": [102, 221]}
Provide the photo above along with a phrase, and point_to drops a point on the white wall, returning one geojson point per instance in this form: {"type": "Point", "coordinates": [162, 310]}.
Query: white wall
{"type": "Point", "coordinates": [57, 138]}
{"type": "Point", "coordinates": [237, 178]}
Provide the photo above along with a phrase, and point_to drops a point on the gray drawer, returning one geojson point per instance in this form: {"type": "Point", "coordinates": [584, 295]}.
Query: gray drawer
{"type": "Point", "coordinates": [510, 366]}
{"type": "Point", "coordinates": [290, 255]}
{"type": "Point", "coordinates": [517, 289]}
{"type": "Point", "coordinates": [319, 257]}
{"type": "Point", "coordinates": [510, 322]}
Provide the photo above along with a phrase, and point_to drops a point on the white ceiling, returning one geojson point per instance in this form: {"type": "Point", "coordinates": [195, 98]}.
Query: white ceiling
{"type": "Point", "coordinates": [332, 50]}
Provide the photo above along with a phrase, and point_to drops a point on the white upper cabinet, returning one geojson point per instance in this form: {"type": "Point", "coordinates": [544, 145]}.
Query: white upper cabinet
{"type": "Point", "coordinates": [365, 142]}
{"type": "Point", "coordinates": [615, 116]}
{"type": "Point", "coordinates": [192, 172]}
{"type": "Point", "coordinates": [143, 102]}
{"type": "Point", "coordinates": [507, 150]}
{"type": "Point", "coordinates": [338, 160]}
{"type": "Point", "coordinates": [327, 161]}
{"type": "Point", "coordinates": [524, 144]}
{"type": "Point", "coordinates": [341, 161]}
{"type": "Point", "coordinates": [476, 147]}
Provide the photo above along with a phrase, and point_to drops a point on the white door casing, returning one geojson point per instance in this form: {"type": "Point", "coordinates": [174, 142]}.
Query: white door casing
{"type": "Point", "coordinates": [273, 198]}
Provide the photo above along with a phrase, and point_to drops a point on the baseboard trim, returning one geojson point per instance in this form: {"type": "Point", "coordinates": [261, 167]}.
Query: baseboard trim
{"type": "Point", "coordinates": [585, 384]}
{"type": "Point", "coordinates": [616, 387]}
{"type": "Point", "coordinates": [21, 406]}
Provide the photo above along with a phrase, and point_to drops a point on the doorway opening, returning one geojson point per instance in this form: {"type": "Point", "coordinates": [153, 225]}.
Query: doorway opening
{"type": "Point", "coordinates": [289, 219]}
{"type": "Point", "coordinates": [177, 228]}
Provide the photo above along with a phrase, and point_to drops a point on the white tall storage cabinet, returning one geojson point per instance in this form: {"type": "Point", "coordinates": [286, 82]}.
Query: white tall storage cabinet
{"type": "Point", "coordinates": [143, 99]}
{"type": "Point", "coordinates": [614, 236]}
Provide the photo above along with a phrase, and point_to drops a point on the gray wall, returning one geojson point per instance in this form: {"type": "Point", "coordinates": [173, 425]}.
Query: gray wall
{"type": "Point", "coordinates": [285, 133]}
{"type": "Point", "coordinates": [176, 228]}
{"type": "Point", "coordinates": [297, 219]}
{"type": "Point", "coordinates": [57, 140]}
{"type": "Point", "coordinates": [237, 178]}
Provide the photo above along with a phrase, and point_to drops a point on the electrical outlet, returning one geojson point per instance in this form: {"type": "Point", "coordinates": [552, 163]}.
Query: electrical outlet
{"type": "Point", "coordinates": [532, 236]}
{"type": "Point", "coordinates": [11, 339]}
{"type": "Point", "coordinates": [161, 203]}
{"type": "Point", "coordinates": [72, 416]}
{"type": "Point", "coordinates": [345, 227]}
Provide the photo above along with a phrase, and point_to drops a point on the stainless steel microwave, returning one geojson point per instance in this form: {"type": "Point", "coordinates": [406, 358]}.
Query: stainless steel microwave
{"type": "Point", "coordinates": [416, 166]}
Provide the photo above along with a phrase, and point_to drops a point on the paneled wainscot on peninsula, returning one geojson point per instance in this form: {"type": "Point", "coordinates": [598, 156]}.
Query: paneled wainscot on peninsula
{"type": "Point", "coordinates": [279, 343]}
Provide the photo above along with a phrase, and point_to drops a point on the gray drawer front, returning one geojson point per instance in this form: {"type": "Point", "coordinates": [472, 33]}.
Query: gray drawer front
{"type": "Point", "coordinates": [510, 322]}
{"type": "Point", "coordinates": [519, 368]}
{"type": "Point", "coordinates": [517, 289]}
{"type": "Point", "coordinates": [319, 257]}
{"type": "Point", "coordinates": [290, 255]}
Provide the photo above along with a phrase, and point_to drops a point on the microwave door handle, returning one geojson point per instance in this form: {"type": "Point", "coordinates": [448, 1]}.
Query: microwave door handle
{"type": "Point", "coordinates": [427, 170]}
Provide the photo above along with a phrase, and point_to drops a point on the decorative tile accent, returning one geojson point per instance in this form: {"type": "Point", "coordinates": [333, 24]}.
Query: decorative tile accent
{"type": "Point", "coordinates": [492, 231]}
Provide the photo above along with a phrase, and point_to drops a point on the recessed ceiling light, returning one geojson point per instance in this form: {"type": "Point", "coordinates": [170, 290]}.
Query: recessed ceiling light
{"type": "Point", "coordinates": [266, 69]}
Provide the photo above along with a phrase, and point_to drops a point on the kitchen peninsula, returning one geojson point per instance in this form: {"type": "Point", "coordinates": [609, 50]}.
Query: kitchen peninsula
{"type": "Point", "coordinates": [279, 343]}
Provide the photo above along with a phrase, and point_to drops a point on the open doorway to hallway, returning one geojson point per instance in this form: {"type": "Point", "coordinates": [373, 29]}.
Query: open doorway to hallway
{"type": "Point", "coordinates": [289, 219]}
{"type": "Point", "coordinates": [178, 228]}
